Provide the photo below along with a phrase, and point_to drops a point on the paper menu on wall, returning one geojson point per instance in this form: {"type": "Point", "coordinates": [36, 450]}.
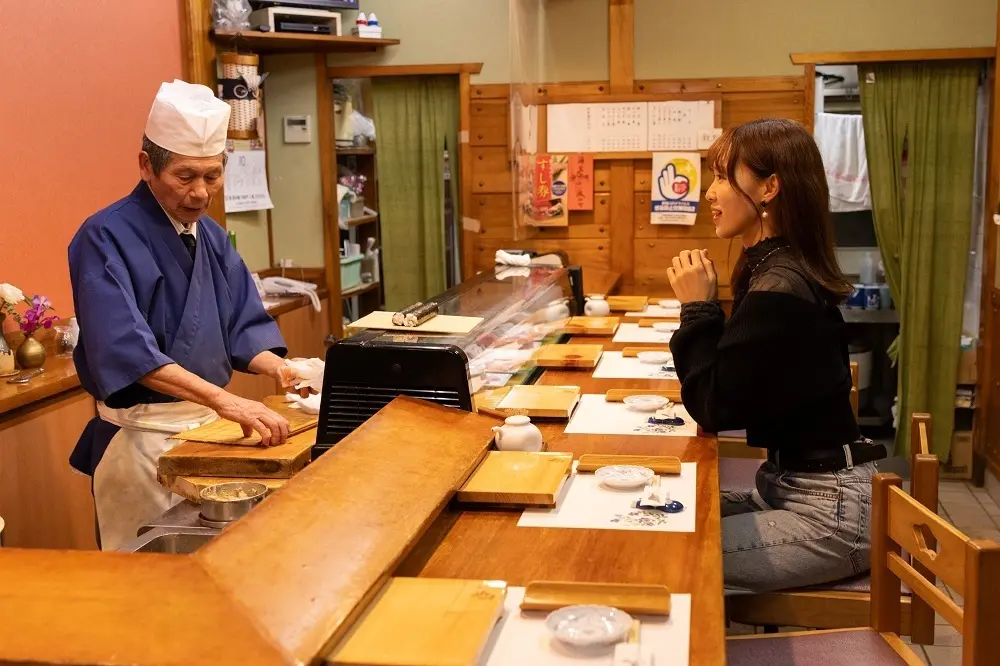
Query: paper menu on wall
{"type": "Point", "coordinates": [594, 128]}
{"type": "Point", "coordinates": [675, 125]}
{"type": "Point", "coordinates": [246, 181]}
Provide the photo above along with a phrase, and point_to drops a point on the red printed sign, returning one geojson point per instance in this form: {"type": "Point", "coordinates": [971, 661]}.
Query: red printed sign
{"type": "Point", "coordinates": [581, 182]}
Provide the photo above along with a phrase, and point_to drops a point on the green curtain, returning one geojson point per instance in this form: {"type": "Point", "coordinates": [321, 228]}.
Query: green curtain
{"type": "Point", "coordinates": [415, 117]}
{"type": "Point", "coordinates": [923, 215]}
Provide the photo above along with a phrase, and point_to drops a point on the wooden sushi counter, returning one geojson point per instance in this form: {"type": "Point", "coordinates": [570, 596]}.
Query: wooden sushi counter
{"type": "Point", "coordinates": [286, 583]}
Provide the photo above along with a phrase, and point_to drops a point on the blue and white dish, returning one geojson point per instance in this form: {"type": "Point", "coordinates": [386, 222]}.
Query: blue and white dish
{"type": "Point", "coordinates": [624, 476]}
{"type": "Point", "coordinates": [587, 625]}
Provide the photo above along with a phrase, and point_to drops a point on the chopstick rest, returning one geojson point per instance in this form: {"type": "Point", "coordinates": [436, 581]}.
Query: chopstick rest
{"type": "Point", "coordinates": [666, 416]}
{"type": "Point", "coordinates": [655, 498]}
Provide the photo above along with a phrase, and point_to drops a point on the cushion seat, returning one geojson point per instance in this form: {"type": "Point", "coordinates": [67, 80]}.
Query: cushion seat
{"type": "Point", "coordinates": [854, 647]}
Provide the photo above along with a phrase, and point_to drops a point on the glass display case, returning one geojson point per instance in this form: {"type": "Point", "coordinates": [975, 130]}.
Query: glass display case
{"type": "Point", "coordinates": [522, 308]}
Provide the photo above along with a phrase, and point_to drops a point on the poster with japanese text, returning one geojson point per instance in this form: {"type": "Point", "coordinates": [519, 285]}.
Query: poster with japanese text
{"type": "Point", "coordinates": [546, 205]}
{"type": "Point", "coordinates": [581, 182]}
{"type": "Point", "coordinates": [676, 188]}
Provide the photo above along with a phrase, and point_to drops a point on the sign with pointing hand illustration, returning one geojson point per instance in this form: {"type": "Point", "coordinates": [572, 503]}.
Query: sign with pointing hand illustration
{"type": "Point", "coordinates": [676, 188]}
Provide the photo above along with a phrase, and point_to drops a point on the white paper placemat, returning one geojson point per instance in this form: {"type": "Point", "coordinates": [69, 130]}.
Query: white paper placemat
{"type": "Point", "coordinates": [521, 639]}
{"type": "Point", "coordinates": [597, 416]}
{"type": "Point", "coordinates": [657, 311]}
{"type": "Point", "coordinates": [584, 503]}
{"type": "Point", "coordinates": [634, 333]}
{"type": "Point", "coordinates": [615, 366]}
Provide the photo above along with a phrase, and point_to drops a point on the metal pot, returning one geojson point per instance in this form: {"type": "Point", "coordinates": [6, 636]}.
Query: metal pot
{"type": "Point", "coordinates": [226, 502]}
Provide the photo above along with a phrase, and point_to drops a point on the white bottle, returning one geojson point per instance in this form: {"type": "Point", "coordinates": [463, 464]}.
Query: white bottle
{"type": "Point", "coordinates": [868, 269]}
{"type": "Point", "coordinates": [518, 433]}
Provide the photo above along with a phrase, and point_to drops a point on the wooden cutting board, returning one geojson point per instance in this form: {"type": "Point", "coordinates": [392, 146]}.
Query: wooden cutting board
{"type": "Point", "coordinates": [190, 487]}
{"type": "Point", "coordinates": [440, 324]}
{"type": "Point", "coordinates": [517, 478]}
{"type": "Point", "coordinates": [648, 323]}
{"type": "Point", "coordinates": [642, 316]}
{"type": "Point", "coordinates": [203, 459]}
{"type": "Point", "coordinates": [637, 599]}
{"type": "Point", "coordinates": [627, 303]}
{"type": "Point", "coordinates": [618, 395]}
{"type": "Point", "coordinates": [590, 462]}
{"type": "Point", "coordinates": [591, 326]}
{"type": "Point", "coordinates": [230, 433]}
{"type": "Point", "coordinates": [424, 622]}
{"type": "Point", "coordinates": [555, 402]}
{"type": "Point", "coordinates": [633, 352]}
{"type": "Point", "coordinates": [568, 356]}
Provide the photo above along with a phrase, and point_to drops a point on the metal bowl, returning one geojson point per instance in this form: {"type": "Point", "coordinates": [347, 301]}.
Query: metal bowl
{"type": "Point", "coordinates": [226, 502]}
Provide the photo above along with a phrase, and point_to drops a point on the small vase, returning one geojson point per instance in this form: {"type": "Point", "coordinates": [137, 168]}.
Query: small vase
{"type": "Point", "coordinates": [6, 353]}
{"type": "Point", "coordinates": [31, 353]}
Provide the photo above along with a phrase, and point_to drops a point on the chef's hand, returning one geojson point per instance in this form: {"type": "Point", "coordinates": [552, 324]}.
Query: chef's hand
{"type": "Point", "coordinates": [693, 277]}
{"type": "Point", "coordinates": [253, 416]}
{"type": "Point", "coordinates": [289, 377]}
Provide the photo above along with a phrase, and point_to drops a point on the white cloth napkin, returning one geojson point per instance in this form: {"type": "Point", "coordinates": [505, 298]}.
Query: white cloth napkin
{"type": "Point", "coordinates": [507, 259]}
{"type": "Point", "coordinates": [308, 405]}
{"type": "Point", "coordinates": [310, 372]}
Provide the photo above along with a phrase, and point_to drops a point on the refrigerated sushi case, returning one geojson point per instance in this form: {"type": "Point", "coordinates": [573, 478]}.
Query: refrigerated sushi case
{"type": "Point", "coordinates": [521, 308]}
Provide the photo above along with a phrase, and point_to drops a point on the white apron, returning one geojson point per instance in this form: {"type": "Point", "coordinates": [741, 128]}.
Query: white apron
{"type": "Point", "coordinates": [126, 491]}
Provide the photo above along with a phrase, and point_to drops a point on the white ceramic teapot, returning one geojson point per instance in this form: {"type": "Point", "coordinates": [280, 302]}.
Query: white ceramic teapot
{"type": "Point", "coordinates": [518, 433]}
{"type": "Point", "coordinates": [558, 309]}
{"type": "Point", "coordinates": [596, 307]}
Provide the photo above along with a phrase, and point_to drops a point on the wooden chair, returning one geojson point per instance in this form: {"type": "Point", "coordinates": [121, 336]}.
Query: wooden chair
{"type": "Point", "coordinates": [847, 603]}
{"type": "Point", "coordinates": [971, 567]}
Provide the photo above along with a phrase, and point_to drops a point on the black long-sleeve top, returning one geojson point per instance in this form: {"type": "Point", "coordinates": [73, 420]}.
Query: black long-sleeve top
{"type": "Point", "coordinates": [778, 368]}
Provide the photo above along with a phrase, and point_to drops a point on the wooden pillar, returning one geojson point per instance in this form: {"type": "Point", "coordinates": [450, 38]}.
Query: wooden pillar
{"type": "Point", "coordinates": [621, 58]}
{"type": "Point", "coordinates": [328, 180]}
{"type": "Point", "coordinates": [810, 100]}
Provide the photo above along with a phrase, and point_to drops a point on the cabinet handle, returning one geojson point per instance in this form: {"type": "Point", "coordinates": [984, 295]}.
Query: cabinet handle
{"type": "Point", "coordinates": [479, 91]}
{"type": "Point", "coordinates": [603, 201]}
{"type": "Point", "coordinates": [600, 247]}
{"type": "Point", "coordinates": [642, 200]}
{"type": "Point", "coordinates": [641, 182]}
{"type": "Point", "coordinates": [600, 229]}
{"type": "Point", "coordinates": [482, 203]}
{"type": "Point", "coordinates": [641, 227]}
{"type": "Point", "coordinates": [479, 136]}
{"type": "Point", "coordinates": [652, 245]}
{"type": "Point", "coordinates": [601, 183]}
{"type": "Point", "coordinates": [479, 109]}
{"type": "Point", "coordinates": [479, 157]}
{"type": "Point", "coordinates": [482, 184]}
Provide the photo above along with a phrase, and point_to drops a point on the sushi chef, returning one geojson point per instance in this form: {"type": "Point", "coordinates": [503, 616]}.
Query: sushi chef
{"type": "Point", "coordinates": [167, 310]}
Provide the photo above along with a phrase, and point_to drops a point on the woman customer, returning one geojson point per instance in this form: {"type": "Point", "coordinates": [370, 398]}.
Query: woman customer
{"type": "Point", "coordinates": [778, 367]}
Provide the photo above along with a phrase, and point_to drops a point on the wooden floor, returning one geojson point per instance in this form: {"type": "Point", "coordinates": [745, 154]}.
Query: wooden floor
{"type": "Point", "coordinates": [974, 512]}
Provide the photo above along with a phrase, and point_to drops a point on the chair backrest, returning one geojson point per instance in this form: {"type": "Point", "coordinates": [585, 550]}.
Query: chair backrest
{"type": "Point", "coordinates": [923, 488]}
{"type": "Point", "coordinates": [854, 388]}
{"type": "Point", "coordinates": [920, 437]}
{"type": "Point", "coordinates": [970, 567]}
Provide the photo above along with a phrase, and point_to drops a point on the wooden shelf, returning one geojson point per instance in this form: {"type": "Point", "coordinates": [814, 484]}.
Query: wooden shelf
{"type": "Point", "coordinates": [358, 221]}
{"type": "Point", "coordinates": [290, 42]}
{"type": "Point", "coordinates": [367, 150]}
{"type": "Point", "coordinates": [640, 154]}
{"type": "Point", "coordinates": [360, 289]}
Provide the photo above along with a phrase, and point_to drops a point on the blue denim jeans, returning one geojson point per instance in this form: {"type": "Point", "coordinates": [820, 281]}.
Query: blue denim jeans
{"type": "Point", "coordinates": [797, 529]}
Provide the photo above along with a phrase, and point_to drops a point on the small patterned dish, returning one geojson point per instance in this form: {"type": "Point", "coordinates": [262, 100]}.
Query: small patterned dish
{"type": "Point", "coordinates": [664, 327]}
{"type": "Point", "coordinates": [624, 476]}
{"type": "Point", "coordinates": [645, 403]}
{"type": "Point", "coordinates": [654, 357]}
{"type": "Point", "coordinates": [670, 304]}
{"type": "Point", "coordinates": [586, 626]}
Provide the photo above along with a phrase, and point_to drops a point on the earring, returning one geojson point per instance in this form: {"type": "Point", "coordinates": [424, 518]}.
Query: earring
{"type": "Point", "coordinates": [763, 206]}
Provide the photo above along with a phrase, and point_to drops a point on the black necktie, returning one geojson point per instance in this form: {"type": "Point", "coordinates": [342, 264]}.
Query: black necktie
{"type": "Point", "coordinates": [190, 242]}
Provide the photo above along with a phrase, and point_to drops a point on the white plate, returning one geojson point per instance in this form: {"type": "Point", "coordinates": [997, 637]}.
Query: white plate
{"type": "Point", "coordinates": [586, 626]}
{"type": "Point", "coordinates": [670, 304]}
{"type": "Point", "coordinates": [624, 476]}
{"type": "Point", "coordinates": [653, 357]}
{"type": "Point", "coordinates": [645, 403]}
{"type": "Point", "coordinates": [664, 326]}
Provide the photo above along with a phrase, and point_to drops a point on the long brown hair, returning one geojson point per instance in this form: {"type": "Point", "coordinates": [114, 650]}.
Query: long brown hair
{"type": "Point", "coordinates": [800, 211]}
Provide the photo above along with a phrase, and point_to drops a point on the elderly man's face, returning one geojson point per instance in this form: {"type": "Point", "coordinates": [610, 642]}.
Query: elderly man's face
{"type": "Point", "coordinates": [186, 186]}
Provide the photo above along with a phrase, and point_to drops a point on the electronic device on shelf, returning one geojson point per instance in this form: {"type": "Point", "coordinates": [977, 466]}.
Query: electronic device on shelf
{"type": "Point", "coordinates": [296, 19]}
{"type": "Point", "coordinates": [308, 4]}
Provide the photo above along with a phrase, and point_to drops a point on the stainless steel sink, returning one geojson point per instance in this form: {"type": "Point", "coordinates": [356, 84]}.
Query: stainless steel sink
{"type": "Point", "coordinates": [173, 541]}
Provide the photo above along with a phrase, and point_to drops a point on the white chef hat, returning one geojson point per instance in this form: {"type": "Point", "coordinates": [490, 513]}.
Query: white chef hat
{"type": "Point", "coordinates": [187, 119]}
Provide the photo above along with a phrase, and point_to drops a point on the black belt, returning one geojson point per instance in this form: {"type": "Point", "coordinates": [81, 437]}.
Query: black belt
{"type": "Point", "coordinates": [827, 460]}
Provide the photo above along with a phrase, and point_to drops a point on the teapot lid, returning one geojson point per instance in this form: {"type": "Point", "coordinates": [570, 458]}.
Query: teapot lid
{"type": "Point", "coordinates": [517, 420]}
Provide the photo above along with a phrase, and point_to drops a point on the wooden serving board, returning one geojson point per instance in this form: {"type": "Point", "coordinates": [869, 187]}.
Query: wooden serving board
{"type": "Point", "coordinates": [591, 326]}
{"type": "Point", "coordinates": [568, 356]}
{"type": "Point", "coordinates": [440, 324]}
{"type": "Point", "coordinates": [627, 303]}
{"type": "Point", "coordinates": [517, 478]}
{"type": "Point", "coordinates": [203, 459]}
{"type": "Point", "coordinates": [618, 395]}
{"type": "Point", "coordinates": [555, 402]}
{"type": "Point", "coordinates": [230, 433]}
{"type": "Point", "coordinates": [642, 316]}
{"type": "Point", "coordinates": [648, 322]}
{"type": "Point", "coordinates": [637, 599]}
{"type": "Point", "coordinates": [633, 352]}
{"type": "Point", "coordinates": [590, 462]}
{"type": "Point", "coordinates": [190, 487]}
{"type": "Point", "coordinates": [423, 622]}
